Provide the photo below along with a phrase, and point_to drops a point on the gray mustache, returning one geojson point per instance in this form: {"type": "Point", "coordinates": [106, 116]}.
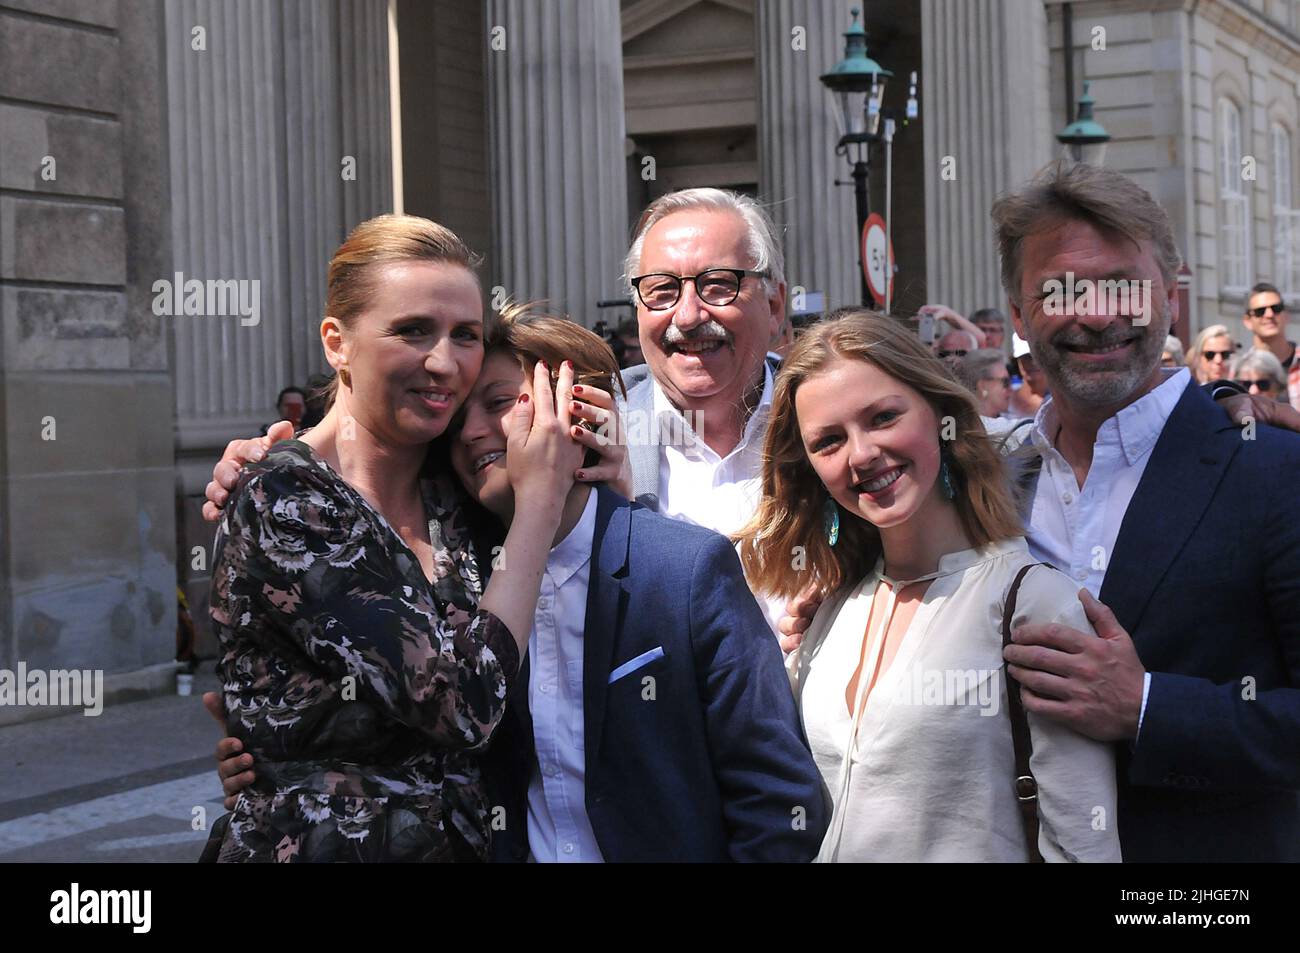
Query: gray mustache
{"type": "Point", "coordinates": [708, 331]}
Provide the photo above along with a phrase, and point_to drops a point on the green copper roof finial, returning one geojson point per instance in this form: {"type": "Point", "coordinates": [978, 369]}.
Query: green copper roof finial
{"type": "Point", "coordinates": [1084, 129]}
{"type": "Point", "coordinates": [857, 71]}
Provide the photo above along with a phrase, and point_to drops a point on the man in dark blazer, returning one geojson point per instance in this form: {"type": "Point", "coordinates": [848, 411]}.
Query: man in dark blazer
{"type": "Point", "coordinates": [1206, 575]}
{"type": "Point", "coordinates": [1184, 525]}
{"type": "Point", "coordinates": [693, 746]}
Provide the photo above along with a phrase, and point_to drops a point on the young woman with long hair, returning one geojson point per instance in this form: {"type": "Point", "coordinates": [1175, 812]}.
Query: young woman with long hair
{"type": "Point", "coordinates": [882, 489]}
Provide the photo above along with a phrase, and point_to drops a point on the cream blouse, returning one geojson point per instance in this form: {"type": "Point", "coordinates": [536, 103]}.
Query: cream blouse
{"type": "Point", "coordinates": [930, 771]}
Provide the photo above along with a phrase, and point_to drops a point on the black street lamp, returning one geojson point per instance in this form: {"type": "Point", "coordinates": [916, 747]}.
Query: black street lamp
{"type": "Point", "coordinates": [858, 83]}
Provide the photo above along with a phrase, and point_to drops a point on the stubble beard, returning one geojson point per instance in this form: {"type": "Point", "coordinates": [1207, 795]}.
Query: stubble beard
{"type": "Point", "coordinates": [1081, 387]}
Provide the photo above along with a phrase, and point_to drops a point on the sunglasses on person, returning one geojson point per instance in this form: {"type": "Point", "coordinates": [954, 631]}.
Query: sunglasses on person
{"type": "Point", "coordinates": [718, 287]}
{"type": "Point", "coordinates": [1221, 355]}
{"type": "Point", "coordinates": [957, 353]}
{"type": "Point", "coordinates": [1265, 385]}
{"type": "Point", "coordinates": [1277, 307]}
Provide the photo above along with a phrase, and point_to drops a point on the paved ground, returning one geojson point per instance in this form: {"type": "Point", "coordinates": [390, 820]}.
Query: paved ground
{"type": "Point", "coordinates": [122, 786]}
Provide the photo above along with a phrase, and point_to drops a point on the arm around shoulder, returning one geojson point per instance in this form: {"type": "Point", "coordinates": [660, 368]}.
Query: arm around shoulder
{"type": "Point", "coordinates": [294, 551]}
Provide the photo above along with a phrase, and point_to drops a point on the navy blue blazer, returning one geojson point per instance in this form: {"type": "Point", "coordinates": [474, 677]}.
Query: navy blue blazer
{"type": "Point", "coordinates": [715, 767]}
{"type": "Point", "coordinates": [1205, 576]}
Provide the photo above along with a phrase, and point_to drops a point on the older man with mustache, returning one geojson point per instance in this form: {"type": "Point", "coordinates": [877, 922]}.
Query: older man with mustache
{"type": "Point", "coordinates": [708, 277]}
{"type": "Point", "coordinates": [707, 274]}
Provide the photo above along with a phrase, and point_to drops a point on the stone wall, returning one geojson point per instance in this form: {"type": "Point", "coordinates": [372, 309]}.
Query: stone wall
{"type": "Point", "coordinates": [87, 532]}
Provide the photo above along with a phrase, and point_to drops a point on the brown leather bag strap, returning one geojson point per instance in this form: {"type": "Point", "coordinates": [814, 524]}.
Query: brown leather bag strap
{"type": "Point", "coordinates": [1025, 786]}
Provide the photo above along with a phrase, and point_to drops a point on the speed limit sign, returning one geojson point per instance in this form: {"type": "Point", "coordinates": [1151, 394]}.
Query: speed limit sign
{"type": "Point", "coordinates": [877, 268]}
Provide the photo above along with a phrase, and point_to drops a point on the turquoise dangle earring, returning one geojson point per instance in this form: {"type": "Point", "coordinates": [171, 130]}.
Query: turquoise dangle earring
{"type": "Point", "coordinates": [945, 473]}
{"type": "Point", "coordinates": [832, 516]}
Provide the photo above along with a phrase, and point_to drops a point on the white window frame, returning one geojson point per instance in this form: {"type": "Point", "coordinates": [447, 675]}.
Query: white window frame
{"type": "Point", "coordinates": [1286, 217]}
{"type": "Point", "coordinates": [1234, 203]}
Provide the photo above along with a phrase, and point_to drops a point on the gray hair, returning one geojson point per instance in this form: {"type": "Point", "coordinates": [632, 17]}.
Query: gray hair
{"type": "Point", "coordinates": [1198, 342]}
{"type": "Point", "coordinates": [989, 315]}
{"type": "Point", "coordinates": [764, 247]}
{"type": "Point", "coordinates": [1063, 191]}
{"type": "Point", "coordinates": [1174, 349]}
{"type": "Point", "coordinates": [975, 366]}
{"type": "Point", "coordinates": [1261, 362]}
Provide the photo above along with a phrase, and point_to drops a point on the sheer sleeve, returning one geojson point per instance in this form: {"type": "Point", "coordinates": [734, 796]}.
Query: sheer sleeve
{"type": "Point", "coordinates": [1077, 788]}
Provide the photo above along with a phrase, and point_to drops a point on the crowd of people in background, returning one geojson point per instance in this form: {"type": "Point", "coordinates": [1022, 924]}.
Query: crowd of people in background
{"type": "Point", "coordinates": [1010, 390]}
{"type": "Point", "coordinates": [303, 407]}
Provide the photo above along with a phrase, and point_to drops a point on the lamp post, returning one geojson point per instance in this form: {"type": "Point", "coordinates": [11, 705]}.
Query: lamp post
{"type": "Point", "coordinates": [1085, 139]}
{"type": "Point", "coordinates": [858, 83]}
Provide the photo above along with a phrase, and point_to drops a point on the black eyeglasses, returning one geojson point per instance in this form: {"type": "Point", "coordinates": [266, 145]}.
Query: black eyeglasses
{"type": "Point", "coordinates": [718, 287]}
{"type": "Point", "coordinates": [942, 354]}
{"type": "Point", "coordinates": [1277, 307]}
{"type": "Point", "coordinates": [1265, 385]}
{"type": "Point", "coordinates": [1211, 355]}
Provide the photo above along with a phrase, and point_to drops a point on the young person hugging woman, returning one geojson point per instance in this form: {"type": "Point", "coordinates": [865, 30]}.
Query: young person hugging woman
{"type": "Point", "coordinates": [653, 720]}
{"type": "Point", "coordinates": [881, 488]}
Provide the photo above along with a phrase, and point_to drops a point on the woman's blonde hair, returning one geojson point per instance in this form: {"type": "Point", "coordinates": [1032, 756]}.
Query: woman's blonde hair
{"type": "Point", "coordinates": [1261, 362]}
{"type": "Point", "coordinates": [788, 531]}
{"type": "Point", "coordinates": [384, 240]}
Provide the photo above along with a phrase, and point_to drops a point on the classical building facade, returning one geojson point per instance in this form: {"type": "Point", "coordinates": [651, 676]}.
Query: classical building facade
{"type": "Point", "coordinates": [1203, 102]}
{"type": "Point", "coordinates": [229, 141]}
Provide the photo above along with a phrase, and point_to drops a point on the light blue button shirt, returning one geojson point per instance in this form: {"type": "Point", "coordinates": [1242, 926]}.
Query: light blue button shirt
{"type": "Point", "coordinates": [559, 830]}
{"type": "Point", "coordinates": [1075, 528]}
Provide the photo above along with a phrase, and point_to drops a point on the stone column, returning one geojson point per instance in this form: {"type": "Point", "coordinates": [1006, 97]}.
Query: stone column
{"type": "Point", "coordinates": [798, 129]}
{"type": "Point", "coordinates": [279, 144]}
{"type": "Point", "coordinates": [985, 102]}
{"type": "Point", "coordinates": [87, 553]}
{"type": "Point", "coordinates": [556, 134]}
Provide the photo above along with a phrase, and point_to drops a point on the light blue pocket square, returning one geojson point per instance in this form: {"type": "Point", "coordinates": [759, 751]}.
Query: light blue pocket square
{"type": "Point", "coordinates": [631, 665]}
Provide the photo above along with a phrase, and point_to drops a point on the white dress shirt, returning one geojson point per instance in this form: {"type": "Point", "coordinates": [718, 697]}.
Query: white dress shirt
{"type": "Point", "coordinates": [720, 493]}
{"type": "Point", "coordinates": [558, 827]}
{"type": "Point", "coordinates": [701, 487]}
{"type": "Point", "coordinates": [1074, 528]}
{"type": "Point", "coordinates": [925, 772]}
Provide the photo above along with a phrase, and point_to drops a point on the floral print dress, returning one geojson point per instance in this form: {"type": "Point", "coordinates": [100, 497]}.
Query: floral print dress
{"type": "Point", "coordinates": [361, 689]}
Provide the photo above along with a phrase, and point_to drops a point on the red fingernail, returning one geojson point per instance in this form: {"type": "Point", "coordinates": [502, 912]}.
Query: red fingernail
{"type": "Point", "coordinates": [523, 398]}
{"type": "Point", "coordinates": [569, 365]}
{"type": "Point", "coordinates": [575, 431]}
{"type": "Point", "coordinates": [581, 475]}
{"type": "Point", "coordinates": [577, 388]}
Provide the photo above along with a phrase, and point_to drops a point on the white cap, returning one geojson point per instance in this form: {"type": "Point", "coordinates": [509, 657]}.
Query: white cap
{"type": "Point", "coordinates": [1019, 346]}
